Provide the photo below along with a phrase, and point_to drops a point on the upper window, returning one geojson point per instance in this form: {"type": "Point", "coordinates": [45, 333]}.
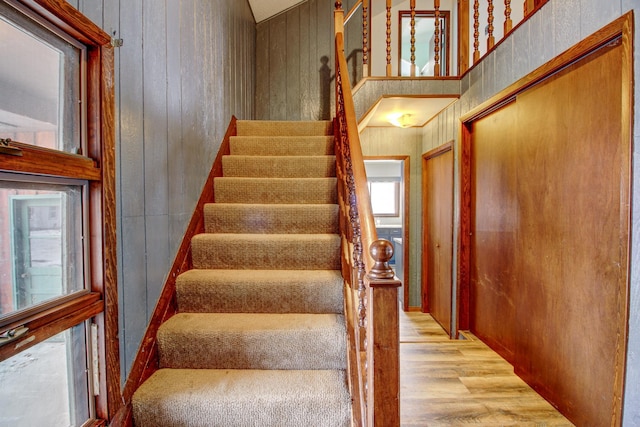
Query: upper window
{"type": "Point", "coordinates": [40, 75]}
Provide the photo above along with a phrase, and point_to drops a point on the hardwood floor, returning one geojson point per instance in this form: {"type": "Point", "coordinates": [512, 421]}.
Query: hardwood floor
{"type": "Point", "coordinates": [457, 382]}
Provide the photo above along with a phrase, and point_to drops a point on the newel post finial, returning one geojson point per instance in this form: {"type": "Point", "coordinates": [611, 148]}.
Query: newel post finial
{"type": "Point", "coordinates": [338, 5]}
{"type": "Point", "coordinates": [381, 251]}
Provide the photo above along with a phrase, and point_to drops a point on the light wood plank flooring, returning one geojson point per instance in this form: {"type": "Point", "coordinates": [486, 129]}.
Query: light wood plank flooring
{"type": "Point", "coordinates": [457, 382]}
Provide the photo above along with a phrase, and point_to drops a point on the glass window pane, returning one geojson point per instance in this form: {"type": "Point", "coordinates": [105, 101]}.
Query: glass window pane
{"type": "Point", "coordinates": [384, 198]}
{"type": "Point", "coordinates": [47, 384]}
{"type": "Point", "coordinates": [40, 84]}
{"type": "Point", "coordinates": [40, 243]}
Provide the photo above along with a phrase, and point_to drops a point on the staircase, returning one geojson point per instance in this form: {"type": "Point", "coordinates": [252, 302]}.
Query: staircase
{"type": "Point", "coordinates": [259, 338]}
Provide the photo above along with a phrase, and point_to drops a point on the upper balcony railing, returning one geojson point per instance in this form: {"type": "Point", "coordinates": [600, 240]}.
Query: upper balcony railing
{"type": "Point", "coordinates": [427, 38]}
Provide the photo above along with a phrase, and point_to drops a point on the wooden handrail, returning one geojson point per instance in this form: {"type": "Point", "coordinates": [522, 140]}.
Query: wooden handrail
{"type": "Point", "coordinates": [371, 304]}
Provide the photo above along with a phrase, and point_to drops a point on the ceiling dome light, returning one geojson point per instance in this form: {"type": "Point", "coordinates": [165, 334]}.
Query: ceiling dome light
{"type": "Point", "coordinates": [402, 120]}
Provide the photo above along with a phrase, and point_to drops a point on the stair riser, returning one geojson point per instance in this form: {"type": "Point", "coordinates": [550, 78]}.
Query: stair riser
{"type": "Point", "coordinates": [232, 398]}
{"type": "Point", "coordinates": [271, 219]}
{"type": "Point", "coordinates": [276, 190]}
{"type": "Point", "coordinates": [259, 349]}
{"type": "Point", "coordinates": [266, 252]}
{"type": "Point", "coordinates": [285, 128]}
{"type": "Point", "coordinates": [281, 146]}
{"type": "Point", "coordinates": [220, 296]}
{"type": "Point", "coordinates": [279, 167]}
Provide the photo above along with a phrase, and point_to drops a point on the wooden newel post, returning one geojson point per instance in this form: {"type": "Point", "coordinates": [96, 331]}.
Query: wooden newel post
{"type": "Point", "coordinates": [383, 351]}
{"type": "Point", "coordinates": [338, 18]}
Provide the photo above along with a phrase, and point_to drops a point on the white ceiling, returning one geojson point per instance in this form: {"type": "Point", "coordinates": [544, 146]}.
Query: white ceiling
{"type": "Point", "coordinates": [265, 9]}
{"type": "Point", "coordinates": [421, 110]}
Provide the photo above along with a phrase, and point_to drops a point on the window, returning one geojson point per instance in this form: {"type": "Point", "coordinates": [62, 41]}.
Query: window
{"type": "Point", "coordinates": [40, 85]}
{"type": "Point", "coordinates": [385, 198]}
{"type": "Point", "coordinates": [424, 43]}
{"type": "Point", "coordinates": [58, 305]}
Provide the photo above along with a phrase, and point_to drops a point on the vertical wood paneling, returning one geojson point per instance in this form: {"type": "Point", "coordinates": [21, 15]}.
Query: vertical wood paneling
{"type": "Point", "coordinates": [175, 154]}
{"type": "Point", "coordinates": [131, 144]}
{"type": "Point", "coordinates": [305, 55]}
{"type": "Point", "coordinates": [92, 9]}
{"type": "Point", "coordinates": [278, 78]}
{"type": "Point", "coordinates": [131, 109]}
{"type": "Point", "coordinates": [293, 64]}
{"type": "Point", "coordinates": [184, 69]}
{"type": "Point", "coordinates": [156, 180]}
{"type": "Point", "coordinates": [263, 111]}
{"type": "Point", "coordinates": [296, 50]}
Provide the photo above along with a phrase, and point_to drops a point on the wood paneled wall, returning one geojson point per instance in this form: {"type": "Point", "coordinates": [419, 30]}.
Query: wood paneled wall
{"type": "Point", "coordinates": [184, 69]}
{"type": "Point", "coordinates": [550, 176]}
{"type": "Point", "coordinates": [295, 63]}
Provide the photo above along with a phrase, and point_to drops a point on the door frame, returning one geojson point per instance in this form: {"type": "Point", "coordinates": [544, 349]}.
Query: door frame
{"type": "Point", "coordinates": [406, 161]}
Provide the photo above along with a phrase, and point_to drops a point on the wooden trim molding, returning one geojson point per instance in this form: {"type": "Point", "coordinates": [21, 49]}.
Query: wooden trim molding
{"type": "Point", "coordinates": [98, 167]}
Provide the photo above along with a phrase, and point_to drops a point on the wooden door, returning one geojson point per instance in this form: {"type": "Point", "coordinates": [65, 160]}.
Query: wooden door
{"type": "Point", "coordinates": [437, 243]}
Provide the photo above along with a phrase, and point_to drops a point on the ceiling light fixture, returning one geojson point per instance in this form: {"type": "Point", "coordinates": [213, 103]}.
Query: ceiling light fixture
{"type": "Point", "coordinates": [402, 120]}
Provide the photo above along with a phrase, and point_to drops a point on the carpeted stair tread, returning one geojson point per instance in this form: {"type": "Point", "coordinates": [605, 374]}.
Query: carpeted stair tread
{"type": "Point", "coordinates": [253, 341]}
{"type": "Point", "coordinates": [263, 291]}
{"type": "Point", "coordinates": [275, 190]}
{"type": "Point", "coordinates": [266, 251]}
{"type": "Point", "coordinates": [271, 218]}
{"type": "Point", "coordinates": [281, 145]}
{"type": "Point", "coordinates": [283, 128]}
{"type": "Point", "coordinates": [279, 166]}
{"type": "Point", "coordinates": [240, 398]}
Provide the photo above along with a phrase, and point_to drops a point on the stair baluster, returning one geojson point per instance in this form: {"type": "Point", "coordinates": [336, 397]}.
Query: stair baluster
{"type": "Point", "coordinates": [476, 31]}
{"type": "Point", "coordinates": [388, 40]}
{"type": "Point", "coordinates": [508, 23]}
{"type": "Point", "coordinates": [491, 40]}
{"type": "Point", "coordinates": [413, 37]}
{"type": "Point", "coordinates": [436, 36]}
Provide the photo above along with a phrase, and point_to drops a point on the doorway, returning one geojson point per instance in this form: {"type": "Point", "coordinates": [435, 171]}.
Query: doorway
{"type": "Point", "coordinates": [437, 241]}
{"type": "Point", "coordinates": [388, 179]}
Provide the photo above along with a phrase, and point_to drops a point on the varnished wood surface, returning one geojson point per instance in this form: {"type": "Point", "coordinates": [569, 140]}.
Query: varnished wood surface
{"type": "Point", "coordinates": [447, 382]}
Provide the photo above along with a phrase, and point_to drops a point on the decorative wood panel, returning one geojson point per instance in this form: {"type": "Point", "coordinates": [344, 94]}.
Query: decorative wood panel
{"type": "Point", "coordinates": [550, 174]}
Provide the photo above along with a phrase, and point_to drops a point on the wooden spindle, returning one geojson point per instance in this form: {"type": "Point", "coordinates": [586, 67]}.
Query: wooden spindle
{"type": "Point", "coordinates": [365, 37]}
{"type": "Point", "coordinates": [476, 31]}
{"type": "Point", "coordinates": [508, 23]}
{"type": "Point", "coordinates": [490, 38]}
{"type": "Point", "coordinates": [436, 37]}
{"type": "Point", "coordinates": [413, 37]}
{"type": "Point", "coordinates": [388, 38]}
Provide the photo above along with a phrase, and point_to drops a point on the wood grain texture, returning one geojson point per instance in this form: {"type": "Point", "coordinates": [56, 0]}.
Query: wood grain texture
{"type": "Point", "coordinates": [447, 382]}
{"type": "Point", "coordinates": [559, 261]}
{"type": "Point", "coordinates": [437, 251]}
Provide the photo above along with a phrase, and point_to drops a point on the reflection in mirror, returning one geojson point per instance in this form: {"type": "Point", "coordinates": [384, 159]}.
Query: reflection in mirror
{"type": "Point", "coordinates": [424, 43]}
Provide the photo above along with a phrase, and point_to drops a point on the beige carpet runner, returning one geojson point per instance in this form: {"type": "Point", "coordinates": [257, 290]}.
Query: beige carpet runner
{"type": "Point", "coordinates": [259, 338]}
